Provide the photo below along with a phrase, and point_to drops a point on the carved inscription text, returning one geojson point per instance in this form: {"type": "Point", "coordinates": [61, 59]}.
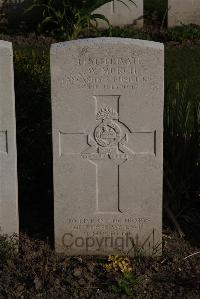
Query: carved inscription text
{"type": "Point", "coordinates": [106, 73]}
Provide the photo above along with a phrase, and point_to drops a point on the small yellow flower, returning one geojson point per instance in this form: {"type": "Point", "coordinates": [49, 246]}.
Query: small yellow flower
{"type": "Point", "coordinates": [118, 264]}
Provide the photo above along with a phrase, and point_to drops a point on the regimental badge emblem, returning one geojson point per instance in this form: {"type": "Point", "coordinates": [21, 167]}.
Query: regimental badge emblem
{"type": "Point", "coordinates": [108, 139]}
{"type": "Point", "coordinates": [108, 133]}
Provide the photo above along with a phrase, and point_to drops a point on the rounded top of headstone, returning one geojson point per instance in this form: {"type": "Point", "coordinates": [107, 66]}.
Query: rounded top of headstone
{"type": "Point", "coordinates": [107, 40]}
{"type": "Point", "coordinates": [5, 44]}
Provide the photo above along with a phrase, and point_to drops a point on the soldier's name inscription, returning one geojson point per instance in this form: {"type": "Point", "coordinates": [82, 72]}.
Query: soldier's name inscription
{"type": "Point", "coordinates": [106, 73]}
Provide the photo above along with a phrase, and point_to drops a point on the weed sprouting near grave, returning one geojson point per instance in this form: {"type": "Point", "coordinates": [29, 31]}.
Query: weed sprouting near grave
{"type": "Point", "coordinates": [68, 19]}
{"type": "Point", "coordinates": [125, 281]}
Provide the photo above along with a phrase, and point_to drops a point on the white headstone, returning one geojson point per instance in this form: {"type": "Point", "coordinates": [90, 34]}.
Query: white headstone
{"type": "Point", "coordinates": [8, 155]}
{"type": "Point", "coordinates": [183, 12]}
{"type": "Point", "coordinates": [119, 14]}
{"type": "Point", "coordinates": [107, 105]}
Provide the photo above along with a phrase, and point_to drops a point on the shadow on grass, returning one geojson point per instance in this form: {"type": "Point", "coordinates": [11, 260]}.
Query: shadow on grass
{"type": "Point", "coordinates": [34, 142]}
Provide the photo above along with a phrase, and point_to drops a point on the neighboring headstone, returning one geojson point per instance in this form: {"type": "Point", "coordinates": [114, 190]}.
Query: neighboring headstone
{"type": "Point", "coordinates": [183, 12]}
{"type": "Point", "coordinates": [8, 156]}
{"type": "Point", "coordinates": [107, 105]}
{"type": "Point", "coordinates": [119, 14]}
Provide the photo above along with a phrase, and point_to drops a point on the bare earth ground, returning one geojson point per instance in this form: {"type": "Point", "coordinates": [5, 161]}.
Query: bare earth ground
{"type": "Point", "coordinates": [43, 41]}
{"type": "Point", "coordinates": [37, 272]}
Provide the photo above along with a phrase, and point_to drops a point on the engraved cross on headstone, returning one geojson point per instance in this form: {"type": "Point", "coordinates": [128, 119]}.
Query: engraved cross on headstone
{"type": "Point", "coordinates": [110, 144]}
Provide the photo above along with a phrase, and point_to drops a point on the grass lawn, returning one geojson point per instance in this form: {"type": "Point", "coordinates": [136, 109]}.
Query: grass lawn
{"type": "Point", "coordinates": [183, 64]}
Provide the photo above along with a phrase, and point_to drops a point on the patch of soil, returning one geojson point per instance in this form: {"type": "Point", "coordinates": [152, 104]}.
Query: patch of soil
{"type": "Point", "coordinates": [184, 44]}
{"type": "Point", "coordinates": [45, 41]}
{"type": "Point", "coordinates": [38, 272]}
{"type": "Point", "coordinates": [29, 39]}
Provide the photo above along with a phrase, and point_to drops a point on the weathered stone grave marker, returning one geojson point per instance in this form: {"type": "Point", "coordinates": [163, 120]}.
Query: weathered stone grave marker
{"type": "Point", "coordinates": [8, 156]}
{"type": "Point", "coordinates": [119, 14]}
{"type": "Point", "coordinates": [107, 104]}
{"type": "Point", "coordinates": [183, 12]}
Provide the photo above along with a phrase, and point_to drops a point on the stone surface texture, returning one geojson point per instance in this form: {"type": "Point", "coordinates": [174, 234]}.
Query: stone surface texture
{"type": "Point", "coordinates": [8, 154]}
{"type": "Point", "coordinates": [107, 106]}
{"type": "Point", "coordinates": [183, 12]}
{"type": "Point", "coordinates": [119, 14]}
